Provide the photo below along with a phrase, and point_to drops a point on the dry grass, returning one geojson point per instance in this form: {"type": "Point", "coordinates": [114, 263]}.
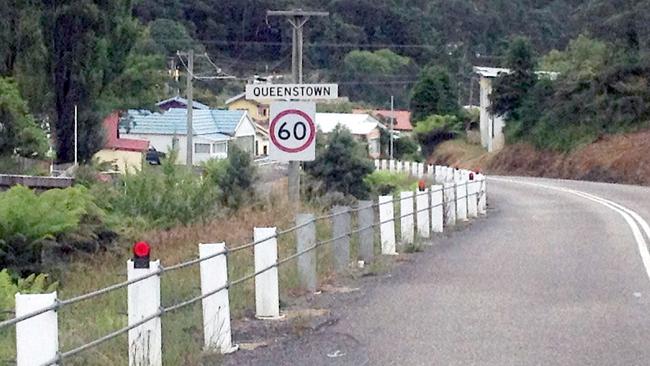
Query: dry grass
{"type": "Point", "coordinates": [182, 330]}
{"type": "Point", "coordinates": [622, 158]}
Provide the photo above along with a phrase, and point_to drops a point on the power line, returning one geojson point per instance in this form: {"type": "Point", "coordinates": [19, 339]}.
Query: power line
{"type": "Point", "coordinates": [313, 44]}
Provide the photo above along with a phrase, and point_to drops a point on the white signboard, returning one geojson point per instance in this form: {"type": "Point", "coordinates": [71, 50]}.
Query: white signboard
{"type": "Point", "coordinates": [292, 131]}
{"type": "Point", "coordinates": [291, 91]}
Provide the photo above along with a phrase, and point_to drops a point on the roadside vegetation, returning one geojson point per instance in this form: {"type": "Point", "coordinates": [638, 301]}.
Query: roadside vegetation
{"type": "Point", "coordinates": [601, 88]}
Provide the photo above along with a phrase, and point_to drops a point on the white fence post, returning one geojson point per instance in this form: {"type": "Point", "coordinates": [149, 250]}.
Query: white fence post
{"type": "Point", "coordinates": [472, 202]}
{"type": "Point", "coordinates": [267, 289]}
{"type": "Point", "coordinates": [377, 164]}
{"type": "Point", "coordinates": [37, 338]}
{"type": "Point", "coordinates": [384, 164]}
{"type": "Point", "coordinates": [391, 165]}
{"type": "Point", "coordinates": [407, 167]}
{"type": "Point", "coordinates": [420, 170]}
{"type": "Point", "coordinates": [406, 222]}
{"type": "Point", "coordinates": [450, 203]}
{"type": "Point", "coordinates": [387, 228]}
{"type": "Point", "coordinates": [145, 341]}
{"type": "Point", "coordinates": [216, 307]}
{"type": "Point", "coordinates": [461, 201]}
{"type": "Point", "coordinates": [436, 209]}
{"type": "Point", "coordinates": [482, 200]}
{"type": "Point", "coordinates": [430, 171]}
{"type": "Point", "coordinates": [414, 169]}
{"type": "Point", "coordinates": [422, 206]}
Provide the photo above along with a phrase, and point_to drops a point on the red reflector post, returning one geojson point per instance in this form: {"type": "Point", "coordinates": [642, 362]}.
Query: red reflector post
{"type": "Point", "coordinates": [141, 252]}
{"type": "Point", "coordinates": [421, 185]}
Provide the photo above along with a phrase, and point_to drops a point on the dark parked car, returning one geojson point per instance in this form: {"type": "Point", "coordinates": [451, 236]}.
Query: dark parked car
{"type": "Point", "coordinates": [153, 156]}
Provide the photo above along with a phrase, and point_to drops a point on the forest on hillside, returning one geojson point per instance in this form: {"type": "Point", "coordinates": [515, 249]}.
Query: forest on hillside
{"type": "Point", "coordinates": [116, 54]}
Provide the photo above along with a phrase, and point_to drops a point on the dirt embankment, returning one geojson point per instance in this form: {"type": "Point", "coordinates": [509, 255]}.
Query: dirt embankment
{"type": "Point", "coordinates": [621, 158]}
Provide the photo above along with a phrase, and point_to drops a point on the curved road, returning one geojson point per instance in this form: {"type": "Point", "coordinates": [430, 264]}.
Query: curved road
{"type": "Point", "coordinates": [550, 277]}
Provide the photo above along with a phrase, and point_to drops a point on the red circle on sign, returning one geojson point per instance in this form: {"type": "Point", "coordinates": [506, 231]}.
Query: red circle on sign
{"type": "Point", "coordinates": [310, 139]}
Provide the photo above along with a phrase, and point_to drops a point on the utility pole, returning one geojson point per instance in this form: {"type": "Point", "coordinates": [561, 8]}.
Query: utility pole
{"type": "Point", "coordinates": [76, 137]}
{"type": "Point", "coordinates": [189, 96]}
{"type": "Point", "coordinates": [297, 19]}
{"type": "Point", "coordinates": [392, 124]}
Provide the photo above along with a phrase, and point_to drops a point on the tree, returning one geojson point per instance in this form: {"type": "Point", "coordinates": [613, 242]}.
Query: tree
{"type": "Point", "coordinates": [433, 94]}
{"type": "Point", "coordinates": [19, 132]}
{"type": "Point", "coordinates": [342, 163]}
{"type": "Point", "coordinates": [509, 90]}
{"type": "Point", "coordinates": [234, 177]}
{"type": "Point", "coordinates": [88, 44]}
{"type": "Point", "coordinates": [374, 76]}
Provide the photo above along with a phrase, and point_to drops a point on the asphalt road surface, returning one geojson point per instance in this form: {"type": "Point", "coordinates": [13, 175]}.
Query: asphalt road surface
{"type": "Point", "coordinates": [552, 276]}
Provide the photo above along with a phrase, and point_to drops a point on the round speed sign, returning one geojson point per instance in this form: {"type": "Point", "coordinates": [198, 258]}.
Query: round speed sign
{"type": "Point", "coordinates": [292, 131]}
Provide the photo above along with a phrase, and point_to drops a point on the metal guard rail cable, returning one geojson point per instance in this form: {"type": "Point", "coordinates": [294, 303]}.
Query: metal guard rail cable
{"type": "Point", "coordinates": [163, 310]}
{"type": "Point", "coordinates": [60, 303]}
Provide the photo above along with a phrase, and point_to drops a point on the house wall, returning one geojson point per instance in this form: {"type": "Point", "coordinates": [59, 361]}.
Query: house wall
{"type": "Point", "coordinates": [261, 144]}
{"type": "Point", "coordinates": [491, 126]}
{"type": "Point", "coordinates": [124, 161]}
{"type": "Point", "coordinates": [374, 146]}
{"type": "Point", "coordinates": [252, 108]}
{"type": "Point", "coordinates": [245, 136]}
{"type": "Point", "coordinates": [163, 143]}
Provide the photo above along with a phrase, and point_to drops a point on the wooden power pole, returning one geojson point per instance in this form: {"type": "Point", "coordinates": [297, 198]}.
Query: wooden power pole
{"type": "Point", "coordinates": [297, 19]}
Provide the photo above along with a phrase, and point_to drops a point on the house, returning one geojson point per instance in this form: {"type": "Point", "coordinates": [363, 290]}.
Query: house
{"type": "Point", "coordinates": [363, 126]}
{"type": "Point", "coordinates": [178, 102]}
{"type": "Point", "coordinates": [491, 126]}
{"type": "Point", "coordinates": [259, 113]}
{"type": "Point", "coordinates": [402, 119]}
{"type": "Point", "coordinates": [125, 154]}
{"type": "Point", "coordinates": [261, 140]}
{"type": "Point", "coordinates": [257, 110]}
{"type": "Point", "coordinates": [214, 131]}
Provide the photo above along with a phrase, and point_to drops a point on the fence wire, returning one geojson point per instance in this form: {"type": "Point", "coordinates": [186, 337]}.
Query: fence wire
{"type": "Point", "coordinates": [162, 270]}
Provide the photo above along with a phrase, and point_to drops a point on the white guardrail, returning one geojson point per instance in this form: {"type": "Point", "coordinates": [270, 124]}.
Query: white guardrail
{"type": "Point", "coordinates": [454, 195]}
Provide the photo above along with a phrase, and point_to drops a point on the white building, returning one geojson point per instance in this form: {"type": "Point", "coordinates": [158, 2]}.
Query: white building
{"type": "Point", "coordinates": [491, 126]}
{"type": "Point", "coordinates": [214, 130]}
{"type": "Point", "coordinates": [363, 126]}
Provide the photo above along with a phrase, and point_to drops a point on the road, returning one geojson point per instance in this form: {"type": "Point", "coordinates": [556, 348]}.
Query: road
{"type": "Point", "coordinates": [550, 277]}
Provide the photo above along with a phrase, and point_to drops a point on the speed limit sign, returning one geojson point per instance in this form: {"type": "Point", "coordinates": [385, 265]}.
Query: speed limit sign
{"type": "Point", "coordinates": [292, 131]}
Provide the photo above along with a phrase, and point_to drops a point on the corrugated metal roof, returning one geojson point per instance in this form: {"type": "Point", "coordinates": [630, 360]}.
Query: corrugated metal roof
{"type": "Point", "coordinates": [195, 104]}
{"type": "Point", "coordinates": [174, 121]}
{"type": "Point", "coordinates": [358, 124]}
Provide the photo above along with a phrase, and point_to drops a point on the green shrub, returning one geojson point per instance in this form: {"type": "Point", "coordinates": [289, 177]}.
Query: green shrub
{"type": "Point", "coordinates": [383, 183]}
{"type": "Point", "coordinates": [33, 284]}
{"type": "Point", "coordinates": [67, 219]}
{"type": "Point", "coordinates": [234, 177]}
{"type": "Point", "coordinates": [435, 129]}
{"type": "Point", "coordinates": [163, 196]}
{"type": "Point", "coordinates": [341, 164]}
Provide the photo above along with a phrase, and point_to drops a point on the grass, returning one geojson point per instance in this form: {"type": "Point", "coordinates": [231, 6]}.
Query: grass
{"type": "Point", "coordinates": [182, 329]}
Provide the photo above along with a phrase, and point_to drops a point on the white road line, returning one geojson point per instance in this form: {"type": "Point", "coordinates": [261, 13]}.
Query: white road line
{"type": "Point", "coordinates": [627, 214]}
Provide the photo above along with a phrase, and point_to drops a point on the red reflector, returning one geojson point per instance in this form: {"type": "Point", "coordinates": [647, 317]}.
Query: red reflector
{"type": "Point", "coordinates": [421, 185]}
{"type": "Point", "coordinates": [141, 249]}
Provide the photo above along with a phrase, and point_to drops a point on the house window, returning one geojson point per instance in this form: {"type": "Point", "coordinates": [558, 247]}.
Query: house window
{"type": "Point", "coordinates": [220, 148]}
{"type": "Point", "coordinates": [373, 146]}
{"type": "Point", "coordinates": [202, 148]}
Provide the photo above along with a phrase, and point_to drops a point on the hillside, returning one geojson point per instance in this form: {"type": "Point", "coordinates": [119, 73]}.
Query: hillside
{"type": "Point", "coordinates": [622, 158]}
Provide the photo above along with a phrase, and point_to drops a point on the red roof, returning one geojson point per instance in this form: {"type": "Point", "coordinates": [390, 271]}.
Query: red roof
{"type": "Point", "coordinates": [113, 141]}
{"type": "Point", "coordinates": [402, 118]}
